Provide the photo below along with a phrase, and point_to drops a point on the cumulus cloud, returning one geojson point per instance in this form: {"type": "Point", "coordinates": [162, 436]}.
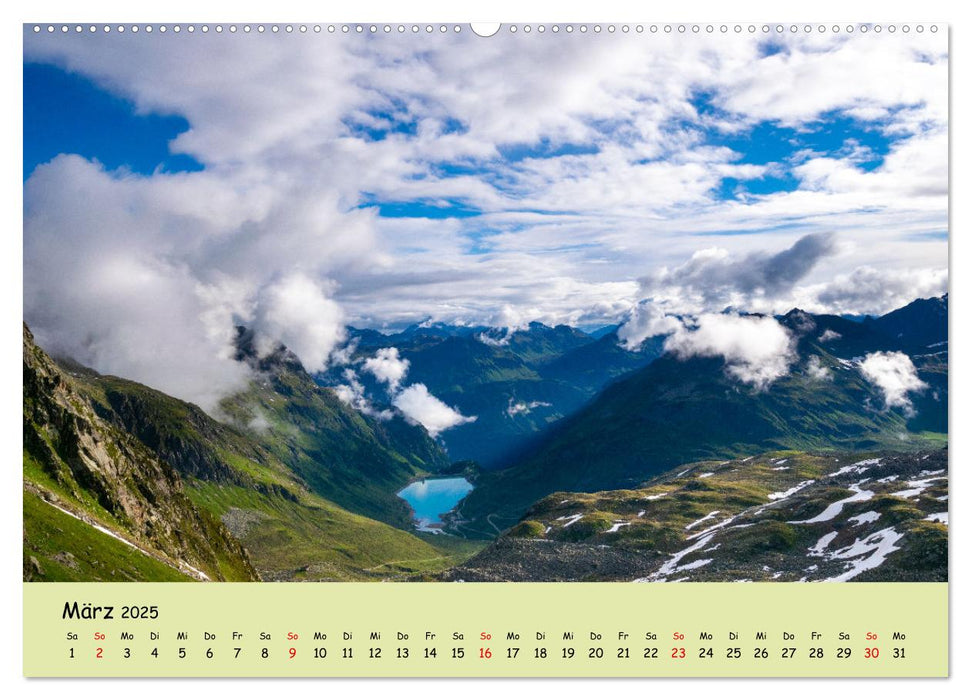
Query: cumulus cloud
{"type": "Point", "coordinates": [896, 377]}
{"type": "Point", "coordinates": [415, 402]}
{"type": "Point", "coordinates": [387, 366]}
{"type": "Point", "coordinates": [871, 290]}
{"type": "Point", "coordinates": [421, 407]}
{"type": "Point", "coordinates": [816, 369]}
{"type": "Point", "coordinates": [516, 407]}
{"type": "Point", "coordinates": [297, 312]}
{"type": "Point", "coordinates": [646, 320]}
{"type": "Point", "coordinates": [496, 339]}
{"type": "Point", "coordinates": [353, 394]}
{"type": "Point", "coordinates": [344, 355]}
{"type": "Point", "coordinates": [147, 277]}
{"type": "Point", "coordinates": [756, 350]}
{"type": "Point", "coordinates": [713, 276]}
{"type": "Point", "coordinates": [829, 335]}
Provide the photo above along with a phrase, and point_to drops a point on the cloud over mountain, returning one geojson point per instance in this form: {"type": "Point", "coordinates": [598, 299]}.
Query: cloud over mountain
{"type": "Point", "coordinates": [298, 312]}
{"type": "Point", "coordinates": [388, 367]}
{"type": "Point", "coordinates": [419, 406]}
{"type": "Point", "coordinates": [147, 277]}
{"type": "Point", "coordinates": [896, 377]}
{"type": "Point", "coordinates": [645, 321]}
{"type": "Point", "coordinates": [756, 350]}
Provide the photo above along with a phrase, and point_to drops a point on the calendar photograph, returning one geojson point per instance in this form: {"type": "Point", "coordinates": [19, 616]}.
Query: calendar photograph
{"type": "Point", "coordinates": [563, 303]}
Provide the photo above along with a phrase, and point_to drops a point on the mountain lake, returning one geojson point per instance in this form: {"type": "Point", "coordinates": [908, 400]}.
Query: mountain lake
{"type": "Point", "coordinates": [430, 498]}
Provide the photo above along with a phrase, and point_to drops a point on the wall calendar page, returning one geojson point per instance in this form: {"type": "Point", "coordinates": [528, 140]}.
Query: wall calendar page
{"type": "Point", "coordinates": [538, 350]}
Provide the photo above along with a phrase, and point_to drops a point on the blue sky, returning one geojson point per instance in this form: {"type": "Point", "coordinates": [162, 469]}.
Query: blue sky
{"type": "Point", "coordinates": [299, 183]}
{"type": "Point", "coordinates": [67, 113]}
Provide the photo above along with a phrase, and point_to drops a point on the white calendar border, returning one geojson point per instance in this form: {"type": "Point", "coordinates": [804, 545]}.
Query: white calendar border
{"type": "Point", "coordinates": [439, 10]}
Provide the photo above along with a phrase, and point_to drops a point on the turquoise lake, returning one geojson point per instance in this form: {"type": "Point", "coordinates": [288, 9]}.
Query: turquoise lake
{"type": "Point", "coordinates": [433, 497]}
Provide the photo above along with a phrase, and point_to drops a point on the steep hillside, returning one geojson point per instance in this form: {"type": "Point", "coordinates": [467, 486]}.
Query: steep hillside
{"type": "Point", "coordinates": [98, 504]}
{"type": "Point", "coordinates": [238, 491]}
{"type": "Point", "coordinates": [356, 461]}
{"type": "Point", "coordinates": [922, 324]}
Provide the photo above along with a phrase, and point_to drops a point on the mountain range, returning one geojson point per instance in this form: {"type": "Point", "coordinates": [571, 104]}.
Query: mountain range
{"type": "Point", "coordinates": [674, 411]}
{"type": "Point", "coordinates": [288, 480]}
{"type": "Point", "coordinates": [516, 384]}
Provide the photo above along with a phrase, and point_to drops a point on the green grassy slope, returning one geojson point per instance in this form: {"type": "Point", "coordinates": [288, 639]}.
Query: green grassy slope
{"type": "Point", "coordinates": [87, 466]}
{"type": "Point", "coordinates": [236, 489]}
{"type": "Point", "coordinates": [349, 458]}
{"type": "Point", "coordinates": [59, 547]}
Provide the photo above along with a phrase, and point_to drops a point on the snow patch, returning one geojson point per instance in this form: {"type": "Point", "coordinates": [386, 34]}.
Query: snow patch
{"type": "Point", "coordinates": [671, 565]}
{"type": "Point", "coordinates": [711, 515]}
{"type": "Point", "coordinates": [570, 519]}
{"type": "Point", "coordinates": [712, 529]}
{"type": "Point", "coordinates": [779, 495]}
{"type": "Point", "coordinates": [871, 516]}
{"type": "Point", "coordinates": [857, 467]}
{"type": "Point", "coordinates": [917, 487]}
{"type": "Point", "coordinates": [834, 509]}
{"type": "Point", "coordinates": [870, 552]}
{"type": "Point", "coordinates": [183, 567]}
{"type": "Point", "coordinates": [696, 564]}
{"type": "Point", "coordinates": [819, 549]}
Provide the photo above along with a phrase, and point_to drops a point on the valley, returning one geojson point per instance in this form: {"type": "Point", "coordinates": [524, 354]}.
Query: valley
{"type": "Point", "coordinates": [569, 456]}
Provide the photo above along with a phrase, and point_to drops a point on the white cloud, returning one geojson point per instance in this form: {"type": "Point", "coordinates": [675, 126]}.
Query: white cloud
{"type": "Point", "coordinates": [298, 312]}
{"type": "Point", "coordinates": [352, 393]}
{"type": "Point", "coordinates": [344, 355]}
{"type": "Point", "coordinates": [646, 320]}
{"type": "Point", "coordinates": [388, 367]}
{"type": "Point", "coordinates": [561, 238]}
{"type": "Point", "coordinates": [259, 422]}
{"type": "Point", "coordinates": [713, 277]}
{"type": "Point", "coordinates": [816, 370]}
{"type": "Point", "coordinates": [419, 406]}
{"type": "Point", "coordinates": [496, 342]}
{"type": "Point", "coordinates": [828, 335]}
{"type": "Point", "coordinates": [895, 375]}
{"type": "Point", "coordinates": [516, 407]}
{"type": "Point", "coordinates": [757, 350]}
{"type": "Point", "coordinates": [768, 282]}
{"type": "Point", "coordinates": [869, 290]}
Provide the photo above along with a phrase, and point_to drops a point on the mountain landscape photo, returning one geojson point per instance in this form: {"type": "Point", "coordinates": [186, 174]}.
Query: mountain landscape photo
{"type": "Point", "coordinates": [370, 311]}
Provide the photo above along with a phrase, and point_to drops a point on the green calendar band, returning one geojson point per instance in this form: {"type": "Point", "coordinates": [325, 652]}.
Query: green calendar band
{"type": "Point", "coordinates": [486, 629]}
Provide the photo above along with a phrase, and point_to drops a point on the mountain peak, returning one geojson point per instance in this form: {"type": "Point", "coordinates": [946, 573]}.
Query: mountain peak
{"type": "Point", "coordinates": [248, 350]}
